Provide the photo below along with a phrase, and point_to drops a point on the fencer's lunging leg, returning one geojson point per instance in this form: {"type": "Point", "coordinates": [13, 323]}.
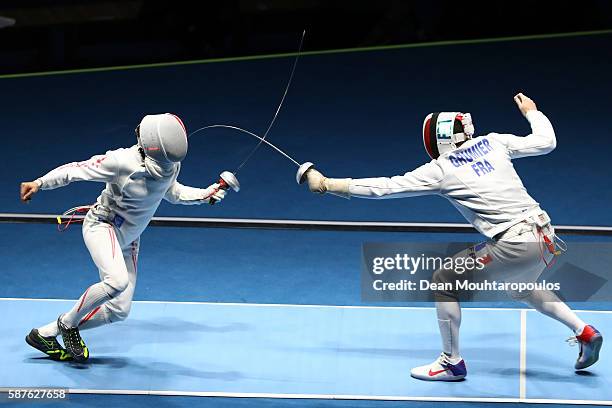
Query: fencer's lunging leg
{"type": "Point", "coordinates": [106, 253]}
{"type": "Point", "coordinates": [115, 267]}
{"type": "Point", "coordinates": [105, 250]}
{"type": "Point", "coordinates": [118, 308]}
{"type": "Point", "coordinates": [546, 302]}
{"type": "Point", "coordinates": [587, 336]}
{"type": "Point", "coordinates": [449, 322]}
{"type": "Point", "coordinates": [448, 309]}
{"type": "Point", "coordinates": [449, 366]}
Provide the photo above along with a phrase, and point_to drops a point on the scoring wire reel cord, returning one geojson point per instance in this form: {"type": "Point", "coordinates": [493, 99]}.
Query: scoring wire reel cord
{"type": "Point", "coordinates": [302, 168]}
{"type": "Point", "coordinates": [79, 212]}
{"type": "Point", "coordinates": [262, 139]}
{"type": "Point", "coordinates": [556, 246]}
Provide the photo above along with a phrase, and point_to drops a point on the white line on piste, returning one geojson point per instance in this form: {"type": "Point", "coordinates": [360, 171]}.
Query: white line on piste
{"type": "Point", "coordinates": [290, 305]}
{"type": "Point", "coordinates": [523, 357]}
{"type": "Point", "coordinates": [286, 305]}
{"type": "Point", "coordinates": [334, 396]}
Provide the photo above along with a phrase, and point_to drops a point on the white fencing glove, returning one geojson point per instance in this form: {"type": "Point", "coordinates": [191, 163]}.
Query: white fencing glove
{"type": "Point", "coordinates": [216, 193]}
{"type": "Point", "coordinates": [318, 183]}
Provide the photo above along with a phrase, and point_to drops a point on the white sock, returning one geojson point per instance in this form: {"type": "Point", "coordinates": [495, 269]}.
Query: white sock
{"type": "Point", "coordinates": [49, 330]}
{"type": "Point", "coordinates": [99, 316]}
{"type": "Point", "coordinates": [449, 321]}
{"type": "Point", "coordinates": [547, 303]}
{"type": "Point", "coordinates": [454, 360]}
{"type": "Point", "coordinates": [93, 297]}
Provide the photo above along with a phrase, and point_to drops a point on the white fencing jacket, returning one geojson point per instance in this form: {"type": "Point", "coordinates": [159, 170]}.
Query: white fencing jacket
{"type": "Point", "coordinates": [478, 178]}
{"type": "Point", "coordinates": [131, 193]}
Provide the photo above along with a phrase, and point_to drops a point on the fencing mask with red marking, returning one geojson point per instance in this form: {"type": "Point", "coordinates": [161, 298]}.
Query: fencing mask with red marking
{"type": "Point", "coordinates": [444, 131]}
{"type": "Point", "coordinates": [163, 138]}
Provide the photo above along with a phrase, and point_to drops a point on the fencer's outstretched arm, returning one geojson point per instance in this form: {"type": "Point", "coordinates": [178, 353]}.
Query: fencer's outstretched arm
{"type": "Point", "coordinates": [181, 194]}
{"type": "Point", "coordinates": [101, 168]}
{"type": "Point", "coordinates": [421, 181]}
{"type": "Point", "coordinates": [542, 139]}
{"type": "Point", "coordinates": [428, 178]}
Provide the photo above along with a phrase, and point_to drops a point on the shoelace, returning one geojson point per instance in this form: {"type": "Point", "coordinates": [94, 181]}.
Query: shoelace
{"type": "Point", "coordinates": [74, 337]}
{"type": "Point", "coordinates": [572, 341]}
{"type": "Point", "coordinates": [444, 360]}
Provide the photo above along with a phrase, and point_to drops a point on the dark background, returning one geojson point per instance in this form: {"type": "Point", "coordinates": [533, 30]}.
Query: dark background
{"type": "Point", "coordinates": [356, 114]}
{"type": "Point", "coordinates": [65, 34]}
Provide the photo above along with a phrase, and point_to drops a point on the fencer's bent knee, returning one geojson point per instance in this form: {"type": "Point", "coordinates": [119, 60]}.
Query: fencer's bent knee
{"type": "Point", "coordinates": [115, 284]}
{"type": "Point", "coordinates": [118, 309]}
{"type": "Point", "coordinates": [437, 276]}
{"type": "Point", "coordinates": [442, 277]}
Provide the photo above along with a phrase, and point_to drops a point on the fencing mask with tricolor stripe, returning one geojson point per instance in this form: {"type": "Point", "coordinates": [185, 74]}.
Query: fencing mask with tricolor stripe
{"type": "Point", "coordinates": [444, 131]}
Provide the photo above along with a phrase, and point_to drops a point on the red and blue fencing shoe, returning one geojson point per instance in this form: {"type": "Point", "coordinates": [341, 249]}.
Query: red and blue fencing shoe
{"type": "Point", "coordinates": [443, 369]}
{"type": "Point", "coordinates": [590, 341]}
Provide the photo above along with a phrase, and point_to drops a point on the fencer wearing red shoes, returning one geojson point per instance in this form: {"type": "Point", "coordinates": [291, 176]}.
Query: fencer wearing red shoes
{"type": "Point", "coordinates": [477, 176]}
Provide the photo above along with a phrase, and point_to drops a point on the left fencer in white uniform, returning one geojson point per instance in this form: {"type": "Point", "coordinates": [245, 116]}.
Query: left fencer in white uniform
{"type": "Point", "coordinates": [137, 179]}
{"type": "Point", "coordinates": [477, 176]}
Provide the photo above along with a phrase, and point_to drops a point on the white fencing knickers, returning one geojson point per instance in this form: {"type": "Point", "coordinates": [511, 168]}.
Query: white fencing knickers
{"type": "Point", "coordinates": [109, 300]}
{"type": "Point", "coordinates": [519, 255]}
